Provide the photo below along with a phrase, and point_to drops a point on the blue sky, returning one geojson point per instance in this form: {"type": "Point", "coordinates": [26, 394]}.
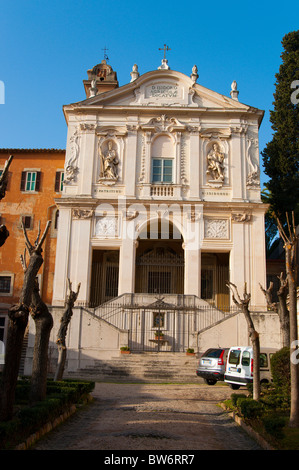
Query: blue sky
{"type": "Point", "coordinates": [48, 46]}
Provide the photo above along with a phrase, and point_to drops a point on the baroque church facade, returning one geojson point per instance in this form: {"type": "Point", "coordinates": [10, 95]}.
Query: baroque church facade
{"type": "Point", "coordinates": [161, 191]}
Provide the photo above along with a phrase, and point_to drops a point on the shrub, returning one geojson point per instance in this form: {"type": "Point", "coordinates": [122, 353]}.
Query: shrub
{"type": "Point", "coordinates": [280, 369]}
{"type": "Point", "coordinates": [235, 396]}
{"type": "Point", "coordinates": [250, 408]}
{"type": "Point", "coordinates": [276, 401]}
{"type": "Point", "coordinates": [31, 418]}
{"type": "Point", "coordinates": [273, 425]}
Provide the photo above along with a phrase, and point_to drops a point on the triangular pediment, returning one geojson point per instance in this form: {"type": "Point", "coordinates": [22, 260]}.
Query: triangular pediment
{"type": "Point", "coordinates": [163, 88]}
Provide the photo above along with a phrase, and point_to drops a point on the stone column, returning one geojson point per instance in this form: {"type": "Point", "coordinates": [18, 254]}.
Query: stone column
{"type": "Point", "coordinates": [258, 261]}
{"type": "Point", "coordinates": [62, 257]}
{"type": "Point", "coordinates": [87, 158]}
{"type": "Point", "coordinates": [79, 258]}
{"type": "Point", "coordinates": [192, 271]}
{"type": "Point", "coordinates": [127, 258]}
{"type": "Point", "coordinates": [194, 166]}
{"type": "Point", "coordinates": [130, 162]}
{"type": "Point", "coordinates": [238, 256]}
{"type": "Point", "coordinates": [236, 168]}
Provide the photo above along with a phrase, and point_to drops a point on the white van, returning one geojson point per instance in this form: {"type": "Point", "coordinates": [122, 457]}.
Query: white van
{"type": "Point", "coordinates": [239, 366]}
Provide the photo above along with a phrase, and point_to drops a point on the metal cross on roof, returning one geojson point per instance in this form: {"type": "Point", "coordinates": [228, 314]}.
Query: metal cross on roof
{"type": "Point", "coordinates": [165, 48]}
{"type": "Point", "coordinates": [105, 55]}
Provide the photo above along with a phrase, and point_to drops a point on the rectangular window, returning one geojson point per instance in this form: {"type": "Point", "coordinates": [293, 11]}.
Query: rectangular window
{"type": "Point", "coordinates": [59, 181]}
{"type": "Point", "coordinates": [234, 357]}
{"type": "Point", "coordinates": [162, 170]}
{"type": "Point", "coordinates": [5, 284]}
{"type": "Point", "coordinates": [27, 221]}
{"type": "Point", "coordinates": [30, 181]}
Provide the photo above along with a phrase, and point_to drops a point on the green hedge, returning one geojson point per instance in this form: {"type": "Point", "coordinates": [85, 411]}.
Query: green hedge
{"type": "Point", "coordinates": [274, 425]}
{"type": "Point", "coordinates": [280, 369]}
{"type": "Point", "coordinates": [250, 408]}
{"type": "Point", "coordinates": [29, 419]}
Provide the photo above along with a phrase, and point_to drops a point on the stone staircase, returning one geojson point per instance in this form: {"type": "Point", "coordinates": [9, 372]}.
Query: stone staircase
{"type": "Point", "coordinates": [142, 368]}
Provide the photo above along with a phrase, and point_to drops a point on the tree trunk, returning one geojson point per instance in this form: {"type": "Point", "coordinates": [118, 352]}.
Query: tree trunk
{"type": "Point", "coordinates": [60, 363]}
{"type": "Point", "coordinates": [283, 312]}
{"type": "Point", "coordinates": [16, 329]}
{"type": "Point", "coordinates": [255, 339]}
{"type": "Point", "coordinates": [280, 307]}
{"type": "Point", "coordinates": [18, 321]}
{"type": "Point", "coordinates": [61, 336]}
{"type": "Point", "coordinates": [243, 304]}
{"type": "Point", "coordinates": [43, 326]}
{"type": "Point", "coordinates": [290, 246]}
{"type": "Point", "coordinates": [294, 414]}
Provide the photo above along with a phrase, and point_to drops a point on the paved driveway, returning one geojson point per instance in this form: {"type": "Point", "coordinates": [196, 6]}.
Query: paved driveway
{"type": "Point", "coordinates": [151, 417]}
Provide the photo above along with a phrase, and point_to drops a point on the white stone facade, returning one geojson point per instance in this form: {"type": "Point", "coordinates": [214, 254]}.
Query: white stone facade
{"type": "Point", "coordinates": [161, 147]}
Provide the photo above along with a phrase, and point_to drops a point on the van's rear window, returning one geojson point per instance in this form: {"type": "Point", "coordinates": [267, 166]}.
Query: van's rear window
{"type": "Point", "coordinates": [234, 356]}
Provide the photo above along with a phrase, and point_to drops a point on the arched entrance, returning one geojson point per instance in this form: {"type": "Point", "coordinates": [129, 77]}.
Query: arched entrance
{"type": "Point", "coordinates": [160, 259]}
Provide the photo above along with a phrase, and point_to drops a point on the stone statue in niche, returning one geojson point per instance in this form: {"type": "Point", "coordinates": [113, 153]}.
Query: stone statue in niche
{"type": "Point", "coordinates": [215, 166]}
{"type": "Point", "coordinates": [71, 169]}
{"type": "Point", "coordinates": [109, 163]}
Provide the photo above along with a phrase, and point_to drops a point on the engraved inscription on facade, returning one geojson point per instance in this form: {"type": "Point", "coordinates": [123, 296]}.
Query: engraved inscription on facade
{"type": "Point", "coordinates": [163, 91]}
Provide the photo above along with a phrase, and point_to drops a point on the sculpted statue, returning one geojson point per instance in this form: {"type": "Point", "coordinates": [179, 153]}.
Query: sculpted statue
{"type": "Point", "coordinates": [215, 166]}
{"type": "Point", "coordinates": [109, 163]}
{"type": "Point", "coordinates": [71, 169]}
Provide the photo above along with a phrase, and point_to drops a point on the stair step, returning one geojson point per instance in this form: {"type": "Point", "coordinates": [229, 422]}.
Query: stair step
{"type": "Point", "coordinates": [149, 367]}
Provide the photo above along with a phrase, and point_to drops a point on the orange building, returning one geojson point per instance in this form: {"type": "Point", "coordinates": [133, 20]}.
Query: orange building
{"type": "Point", "coordinates": [35, 181]}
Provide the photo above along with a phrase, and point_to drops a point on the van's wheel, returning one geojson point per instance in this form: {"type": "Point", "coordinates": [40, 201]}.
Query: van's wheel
{"type": "Point", "coordinates": [210, 381]}
{"type": "Point", "coordinates": [234, 386]}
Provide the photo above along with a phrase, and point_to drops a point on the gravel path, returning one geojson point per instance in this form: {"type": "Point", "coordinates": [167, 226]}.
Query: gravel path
{"type": "Point", "coordinates": [151, 417]}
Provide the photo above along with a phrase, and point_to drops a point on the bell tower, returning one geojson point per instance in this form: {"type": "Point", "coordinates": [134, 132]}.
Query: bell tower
{"type": "Point", "coordinates": [101, 78]}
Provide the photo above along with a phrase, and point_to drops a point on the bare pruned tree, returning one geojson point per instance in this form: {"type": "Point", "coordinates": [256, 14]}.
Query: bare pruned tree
{"type": "Point", "coordinates": [18, 319]}
{"type": "Point", "coordinates": [43, 325]}
{"type": "Point", "coordinates": [61, 336]}
{"type": "Point", "coordinates": [280, 307]}
{"type": "Point", "coordinates": [243, 305]}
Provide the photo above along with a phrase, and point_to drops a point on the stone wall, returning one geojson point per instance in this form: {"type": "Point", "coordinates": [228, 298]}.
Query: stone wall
{"type": "Point", "coordinates": [234, 332]}
{"type": "Point", "coordinates": [90, 339]}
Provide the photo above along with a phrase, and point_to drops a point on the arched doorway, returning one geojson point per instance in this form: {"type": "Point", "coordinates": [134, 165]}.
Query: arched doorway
{"type": "Point", "coordinates": [160, 259]}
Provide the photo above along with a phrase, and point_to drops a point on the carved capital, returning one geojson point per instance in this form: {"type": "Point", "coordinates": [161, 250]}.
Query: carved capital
{"type": "Point", "coordinates": [241, 217]}
{"type": "Point", "coordinates": [82, 213]}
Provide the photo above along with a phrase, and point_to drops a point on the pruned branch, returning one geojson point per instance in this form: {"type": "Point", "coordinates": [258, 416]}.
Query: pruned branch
{"type": "Point", "coordinates": [43, 236]}
{"type": "Point", "coordinates": [241, 303]}
{"type": "Point", "coordinates": [23, 261]}
{"type": "Point", "coordinates": [268, 295]}
{"type": "Point", "coordinates": [38, 242]}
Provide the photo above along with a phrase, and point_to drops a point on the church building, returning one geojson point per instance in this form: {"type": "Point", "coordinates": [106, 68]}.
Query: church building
{"type": "Point", "coordinates": [161, 191]}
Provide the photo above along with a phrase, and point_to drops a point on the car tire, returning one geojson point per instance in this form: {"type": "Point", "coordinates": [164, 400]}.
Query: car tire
{"type": "Point", "coordinates": [210, 381]}
{"type": "Point", "coordinates": [234, 386]}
